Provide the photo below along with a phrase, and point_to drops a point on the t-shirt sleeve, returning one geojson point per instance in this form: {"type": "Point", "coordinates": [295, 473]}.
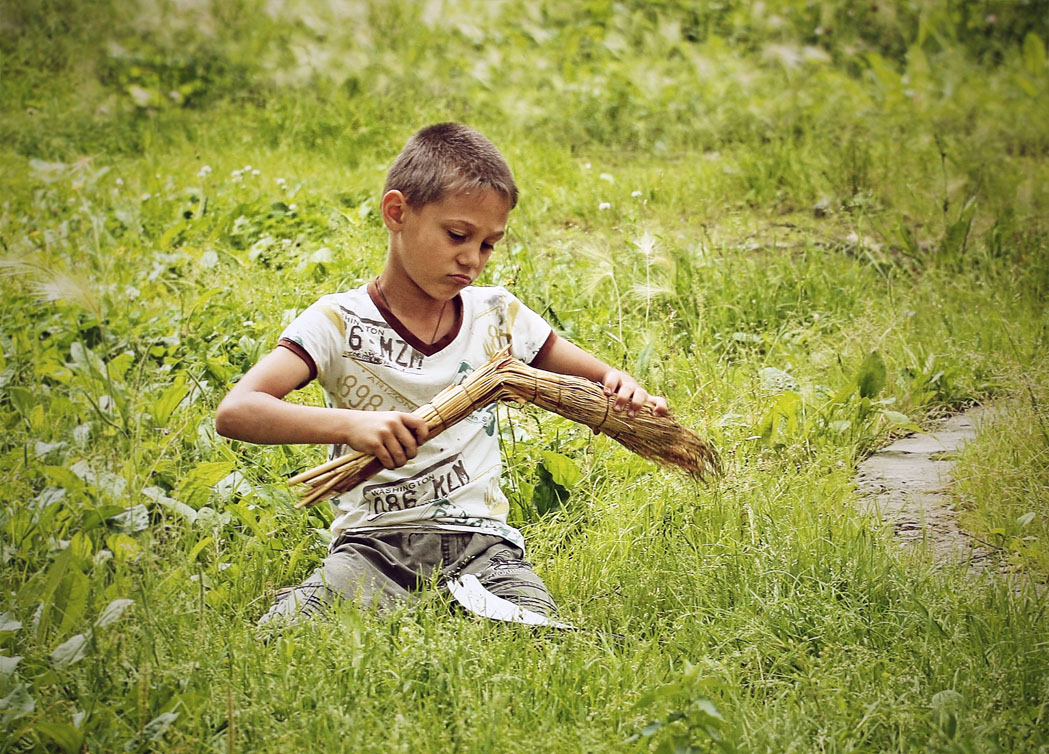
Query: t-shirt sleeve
{"type": "Point", "coordinates": [531, 335]}
{"type": "Point", "coordinates": [316, 336]}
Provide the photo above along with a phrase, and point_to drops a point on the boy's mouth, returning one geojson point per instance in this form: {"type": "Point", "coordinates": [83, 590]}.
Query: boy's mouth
{"type": "Point", "coordinates": [462, 279]}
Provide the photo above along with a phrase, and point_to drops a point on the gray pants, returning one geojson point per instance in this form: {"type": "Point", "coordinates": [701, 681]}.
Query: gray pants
{"type": "Point", "coordinates": [384, 569]}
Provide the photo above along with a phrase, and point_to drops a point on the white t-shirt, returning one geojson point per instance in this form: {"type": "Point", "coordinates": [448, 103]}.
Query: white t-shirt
{"type": "Point", "coordinates": [365, 359]}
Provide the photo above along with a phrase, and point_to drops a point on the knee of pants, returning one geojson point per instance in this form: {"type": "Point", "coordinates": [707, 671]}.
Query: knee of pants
{"type": "Point", "coordinates": [308, 598]}
{"type": "Point", "coordinates": [513, 579]}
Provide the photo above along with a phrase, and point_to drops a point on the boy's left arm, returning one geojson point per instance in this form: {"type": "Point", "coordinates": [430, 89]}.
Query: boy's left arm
{"type": "Point", "coordinates": [564, 357]}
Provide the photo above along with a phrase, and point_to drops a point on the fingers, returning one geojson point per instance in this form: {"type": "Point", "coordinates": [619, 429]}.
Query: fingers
{"type": "Point", "coordinates": [417, 426]}
{"type": "Point", "coordinates": [658, 404]}
{"type": "Point", "coordinates": [392, 437]}
{"type": "Point", "coordinates": [631, 397]}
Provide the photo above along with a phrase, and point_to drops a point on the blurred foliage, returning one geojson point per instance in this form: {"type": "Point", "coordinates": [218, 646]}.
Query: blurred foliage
{"type": "Point", "coordinates": [811, 225]}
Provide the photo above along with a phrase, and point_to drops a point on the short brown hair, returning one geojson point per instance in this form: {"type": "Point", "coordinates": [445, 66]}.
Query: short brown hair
{"type": "Point", "coordinates": [449, 158]}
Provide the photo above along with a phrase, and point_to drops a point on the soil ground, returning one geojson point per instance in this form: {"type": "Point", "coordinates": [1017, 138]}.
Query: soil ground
{"type": "Point", "coordinates": [905, 485]}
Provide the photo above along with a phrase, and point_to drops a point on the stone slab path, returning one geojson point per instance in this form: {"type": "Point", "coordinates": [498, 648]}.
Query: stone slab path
{"type": "Point", "coordinates": [905, 484]}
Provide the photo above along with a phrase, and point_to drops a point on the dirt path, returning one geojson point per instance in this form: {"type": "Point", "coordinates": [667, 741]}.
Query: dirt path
{"type": "Point", "coordinates": [906, 482]}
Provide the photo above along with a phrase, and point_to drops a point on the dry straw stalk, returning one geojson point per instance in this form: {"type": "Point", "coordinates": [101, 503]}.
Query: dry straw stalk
{"type": "Point", "coordinates": [658, 438]}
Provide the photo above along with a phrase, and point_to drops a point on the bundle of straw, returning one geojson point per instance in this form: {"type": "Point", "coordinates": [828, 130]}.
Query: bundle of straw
{"type": "Point", "coordinates": [657, 438]}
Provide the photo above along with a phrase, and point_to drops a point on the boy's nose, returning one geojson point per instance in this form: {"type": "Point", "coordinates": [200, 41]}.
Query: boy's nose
{"type": "Point", "coordinates": [470, 257]}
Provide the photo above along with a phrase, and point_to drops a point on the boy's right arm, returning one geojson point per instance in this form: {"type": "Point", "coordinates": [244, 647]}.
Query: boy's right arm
{"type": "Point", "coordinates": [254, 410]}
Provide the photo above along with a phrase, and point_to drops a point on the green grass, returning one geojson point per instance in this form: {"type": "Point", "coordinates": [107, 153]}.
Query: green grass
{"type": "Point", "coordinates": [1002, 483]}
{"type": "Point", "coordinates": [807, 240]}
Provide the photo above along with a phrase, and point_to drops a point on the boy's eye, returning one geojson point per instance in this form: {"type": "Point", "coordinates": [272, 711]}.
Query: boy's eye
{"type": "Point", "coordinates": [456, 236]}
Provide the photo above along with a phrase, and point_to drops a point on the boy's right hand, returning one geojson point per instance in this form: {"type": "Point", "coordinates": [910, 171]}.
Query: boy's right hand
{"type": "Point", "coordinates": [393, 437]}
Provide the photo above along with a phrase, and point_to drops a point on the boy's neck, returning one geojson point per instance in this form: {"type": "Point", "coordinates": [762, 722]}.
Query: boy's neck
{"type": "Point", "coordinates": [429, 322]}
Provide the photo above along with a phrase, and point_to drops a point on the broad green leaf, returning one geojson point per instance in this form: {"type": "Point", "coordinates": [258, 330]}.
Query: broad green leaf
{"type": "Point", "coordinates": [81, 546]}
{"type": "Point", "coordinates": [119, 364]}
{"type": "Point", "coordinates": [232, 484]}
{"type": "Point", "coordinates": [1034, 54]}
{"type": "Point", "coordinates": [70, 651]}
{"type": "Point", "coordinates": [196, 486]}
{"type": "Point", "coordinates": [66, 735]}
{"type": "Point", "coordinates": [156, 727]}
{"type": "Point", "coordinates": [8, 665]}
{"type": "Point", "coordinates": [22, 399]}
{"type": "Point", "coordinates": [198, 548]}
{"type": "Point", "coordinates": [71, 599]}
{"type": "Point", "coordinates": [85, 362]}
{"type": "Point", "coordinates": [8, 623]}
{"type": "Point", "coordinates": [42, 449]}
{"type": "Point", "coordinates": [781, 420]}
{"type": "Point", "coordinates": [547, 495]}
{"type": "Point", "coordinates": [563, 470]}
{"type": "Point", "coordinates": [707, 707]}
{"type": "Point", "coordinates": [871, 378]}
{"type": "Point", "coordinates": [18, 703]}
{"type": "Point", "coordinates": [165, 405]}
{"type": "Point", "coordinates": [156, 494]}
{"type": "Point", "coordinates": [123, 547]}
{"type": "Point", "coordinates": [112, 612]}
{"type": "Point", "coordinates": [132, 520]}
{"type": "Point", "coordinates": [776, 380]}
{"type": "Point", "coordinates": [1026, 518]}
{"type": "Point", "coordinates": [897, 419]}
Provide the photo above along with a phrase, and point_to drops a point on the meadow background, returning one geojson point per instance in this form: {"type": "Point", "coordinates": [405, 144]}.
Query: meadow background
{"type": "Point", "coordinates": [811, 224]}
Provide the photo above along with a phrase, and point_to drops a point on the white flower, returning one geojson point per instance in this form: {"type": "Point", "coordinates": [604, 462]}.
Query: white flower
{"type": "Point", "coordinates": [120, 181]}
{"type": "Point", "coordinates": [604, 205]}
{"type": "Point", "coordinates": [635, 194]}
{"type": "Point", "coordinates": [204, 171]}
{"type": "Point", "coordinates": [256, 172]}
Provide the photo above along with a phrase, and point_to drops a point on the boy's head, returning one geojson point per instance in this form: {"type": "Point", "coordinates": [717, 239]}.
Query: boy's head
{"type": "Point", "coordinates": [445, 159]}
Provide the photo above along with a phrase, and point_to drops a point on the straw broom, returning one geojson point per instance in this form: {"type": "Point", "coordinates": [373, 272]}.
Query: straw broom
{"type": "Point", "coordinates": [657, 438]}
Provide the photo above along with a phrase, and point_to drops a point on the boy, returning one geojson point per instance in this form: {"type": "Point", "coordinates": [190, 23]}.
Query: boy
{"type": "Point", "coordinates": [384, 349]}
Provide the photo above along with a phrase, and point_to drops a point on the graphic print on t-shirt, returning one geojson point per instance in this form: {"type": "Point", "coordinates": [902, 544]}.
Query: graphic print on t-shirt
{"type": "Point", "coordinates": [375, 342]}
{"type": "Point", "coordinates": [498, 335]}
{"type": "Point", "coordinates": [432, 483]}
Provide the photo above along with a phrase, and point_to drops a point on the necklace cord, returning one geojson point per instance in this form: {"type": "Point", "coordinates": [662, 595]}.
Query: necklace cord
{"type": "Point", "coordinates": [440, 317]}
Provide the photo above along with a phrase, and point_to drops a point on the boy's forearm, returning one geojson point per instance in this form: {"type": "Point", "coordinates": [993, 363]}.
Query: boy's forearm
{"type": "Point", "coordinates": [261, 418]}
{"type": "Point", "coordinates": [565, 357]}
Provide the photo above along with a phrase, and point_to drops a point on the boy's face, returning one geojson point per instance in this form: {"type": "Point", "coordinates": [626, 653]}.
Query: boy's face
{"type": "Point", "coordinates": [442, 247]}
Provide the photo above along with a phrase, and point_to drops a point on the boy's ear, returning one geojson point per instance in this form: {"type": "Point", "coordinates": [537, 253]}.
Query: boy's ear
{"type": "Point", "coordinates": [394, 206]}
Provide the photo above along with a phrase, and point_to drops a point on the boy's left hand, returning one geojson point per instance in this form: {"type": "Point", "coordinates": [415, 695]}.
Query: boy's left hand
{"type": "Point", "coordinates": [630, 396]}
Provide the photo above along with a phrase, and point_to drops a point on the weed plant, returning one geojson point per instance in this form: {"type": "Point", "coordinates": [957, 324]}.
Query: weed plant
{"type": "Point", "coordinates": [811, 225]}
